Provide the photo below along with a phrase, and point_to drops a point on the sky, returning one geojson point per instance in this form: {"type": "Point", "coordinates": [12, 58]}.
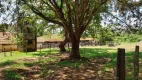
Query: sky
{"type": "Point", "coordinates": [5, 17]}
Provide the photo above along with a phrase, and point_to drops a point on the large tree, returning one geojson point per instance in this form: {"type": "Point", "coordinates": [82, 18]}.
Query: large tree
{"type": "Point", "coordinates": [73, 15]}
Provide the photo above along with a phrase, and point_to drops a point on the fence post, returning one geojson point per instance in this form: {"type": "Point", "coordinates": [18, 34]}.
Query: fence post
{"type": "Point", "coordinates": [26, 51]}
{"type": "Point", "coordinates": [4, 53]}
{"type": "Point", "coordinates": [136, 63]}
{"type": "Point", "coordinates": [11, 52]}
{"type": "Point", "coordinates": [68, 46]}
{"type": "Point", "coordinates": [40, 48]}
{"type": "Point", "coordinates": [53, 44]}
{"type": "Point", "coordinates": [121, 64]}
{"type": "Point", "coordinates": [50, 47]}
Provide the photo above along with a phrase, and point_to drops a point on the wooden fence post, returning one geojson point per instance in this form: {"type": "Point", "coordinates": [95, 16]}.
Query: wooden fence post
{"type": "Point", "coordinates": [40, 48]}
{"type": "Point", "coordinates": [11, 52]}
{"type": "Point", "coordinates": [26, 51]}
{"type": "Point", "coordinates": [121, 64]}
{"type": "Point", "coordinates": [4, 52]}
{"type": "Point", "coordinates": [50, 47]}
{"type": "Point", "coordinates": [136, 63]}
{"type": "Point", "coordinates": [53, 44]}
{"type": "Point", "coordinates": [68, 46]}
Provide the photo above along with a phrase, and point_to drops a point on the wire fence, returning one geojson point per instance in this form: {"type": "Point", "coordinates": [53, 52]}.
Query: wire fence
{"type": "Point", "coordinates": [6, 50]}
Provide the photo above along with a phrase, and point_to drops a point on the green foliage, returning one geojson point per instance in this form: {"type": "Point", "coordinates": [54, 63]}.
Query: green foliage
{"type": "Point", "coordinates": [18, 39]}
{"type": "Point", "coordinates": [93, 28]}
{"type": "Point", "coordinates": [129, 38]}
{"type": "Point", "coordinates": [40, 27]}
{"type": "Point", "coordinates": [106, 35]}
{"type": "Point", "coordinates": [3, 27]}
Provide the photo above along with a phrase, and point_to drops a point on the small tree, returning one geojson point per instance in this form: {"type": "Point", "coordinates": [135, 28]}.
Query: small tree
{"type": "Point", "coordinates": [26, 34]}
{"type": "Point", "coordinates": [106, 35]}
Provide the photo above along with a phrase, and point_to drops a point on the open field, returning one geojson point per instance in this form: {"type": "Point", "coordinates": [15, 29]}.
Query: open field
{"type": "Point", "coordinates": [48, 65]}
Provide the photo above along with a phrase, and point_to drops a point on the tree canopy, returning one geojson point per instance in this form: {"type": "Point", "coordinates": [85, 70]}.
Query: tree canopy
{"type": "Point", "coordinates": [74, 16]}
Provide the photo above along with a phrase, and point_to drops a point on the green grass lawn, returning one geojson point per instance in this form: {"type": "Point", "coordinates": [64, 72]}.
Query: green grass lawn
{"type": "Point", "coordinates": [102, 64]}
{"type": "Point", "coordinates": [18, 55]}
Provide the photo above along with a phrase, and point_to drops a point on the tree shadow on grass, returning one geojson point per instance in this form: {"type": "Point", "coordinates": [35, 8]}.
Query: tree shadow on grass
{"type": "Point", "coordinates": [10, 74]}
{"type": "Point", "coordinates": [82, 69]}
{"type": "Point", "coordinates": [7, 63]}
{"type": "Point", "coordinates": [100, 53]}
{"type": "Point", "coordinates": [46, 52]}
{"type": "Point", "coordinates": [102, 66]}
{"type": "Point", "coordinates": [21, 71]}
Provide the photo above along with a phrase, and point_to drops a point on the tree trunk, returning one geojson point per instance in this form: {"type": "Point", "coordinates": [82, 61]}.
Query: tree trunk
{"type": "Point", "coordinates": [62, 44]}
{"type": "Point", "coordinates": [75, 54]}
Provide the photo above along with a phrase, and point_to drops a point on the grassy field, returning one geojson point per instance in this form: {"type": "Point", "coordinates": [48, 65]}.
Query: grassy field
{"type": "Point", "coordinates": [47, 65]}
{"type": "Point", "coordinates": [18, 55]}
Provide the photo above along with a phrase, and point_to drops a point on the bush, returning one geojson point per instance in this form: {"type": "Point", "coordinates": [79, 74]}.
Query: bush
{"type": "Point", "coordinates": [129, 38]}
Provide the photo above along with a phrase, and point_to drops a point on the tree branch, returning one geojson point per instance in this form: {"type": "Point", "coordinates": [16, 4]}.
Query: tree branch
{"type": "Point", "coordinates": [36, 11]}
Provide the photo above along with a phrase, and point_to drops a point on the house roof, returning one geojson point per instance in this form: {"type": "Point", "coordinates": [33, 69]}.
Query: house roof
{"type": "Point", "coordinates": [5, 37]}
{"type": "Point", "coordinates": [42, 39]}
